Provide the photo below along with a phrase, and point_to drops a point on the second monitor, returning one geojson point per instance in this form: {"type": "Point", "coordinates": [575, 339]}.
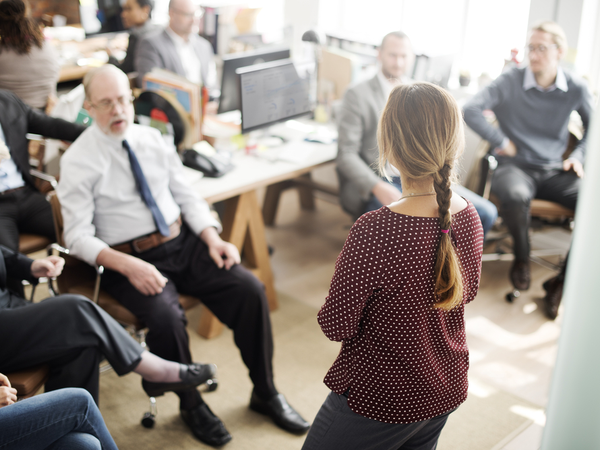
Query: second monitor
{"type": "Point", "coordinates": [276, 92]}
{"type": "Point", "coordinates": [230, 95]}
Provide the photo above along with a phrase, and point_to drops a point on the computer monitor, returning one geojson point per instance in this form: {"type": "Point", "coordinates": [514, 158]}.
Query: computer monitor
{"type": "Point", "coordinates": [435, 69]}
{"type": "Point", "coordinates": [230, 95]}
{"type": "Point", "coordinates": [276, 92]}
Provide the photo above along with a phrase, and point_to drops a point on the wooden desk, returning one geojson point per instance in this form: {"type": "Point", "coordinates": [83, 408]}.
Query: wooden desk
{"type": "Point", "coordinates": [243, 223]}
{"type": "Point", "coordinates": [86, 49]}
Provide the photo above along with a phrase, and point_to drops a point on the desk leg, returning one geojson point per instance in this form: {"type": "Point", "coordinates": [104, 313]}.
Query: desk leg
{"type": "Point", "coordinates": [243, 226]}
{"type": "Point", "coordinates": [303, 183]}
{"type": "Point", "coordinates": [305, 191]}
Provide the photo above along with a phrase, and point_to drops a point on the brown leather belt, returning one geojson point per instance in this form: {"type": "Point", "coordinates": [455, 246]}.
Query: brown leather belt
{"type": "Point", "coordinates": [10, 191]}
{"type": "Point", "coordinates": [150, 241]}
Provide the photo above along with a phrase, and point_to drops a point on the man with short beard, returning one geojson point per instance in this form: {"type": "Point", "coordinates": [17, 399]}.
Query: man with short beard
{"type": "Point", "coordinates": [361, 188]}
{"type": "Point", "coordinates": [126, 206]}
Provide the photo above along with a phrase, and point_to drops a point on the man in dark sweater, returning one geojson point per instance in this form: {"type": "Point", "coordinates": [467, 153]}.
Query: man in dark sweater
{"type": "Point", "coordinates": [533, 106]}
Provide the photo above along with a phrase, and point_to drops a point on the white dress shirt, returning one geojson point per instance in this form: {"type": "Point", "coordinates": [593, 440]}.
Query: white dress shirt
{"type": "Point", "coordinates": [101, 204]}
{"type": "Point", "coordinates": [560, 82]}
{"type": "Point", "coordinates": [188, 57]}
{"type": "Point", "coordinates": [10, 175]}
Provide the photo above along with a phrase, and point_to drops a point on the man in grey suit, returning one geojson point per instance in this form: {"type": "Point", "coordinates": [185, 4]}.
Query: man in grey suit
{"type": "Point", "coordinates": [178, 48]}
{"type": "Point", "coordinates": [361, 189]}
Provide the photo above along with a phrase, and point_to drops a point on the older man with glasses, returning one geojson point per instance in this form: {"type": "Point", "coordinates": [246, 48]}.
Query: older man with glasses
{"type": "Point", "coordinates": [533, 106]}
{"type": "Point", "coordinates": [178, 48]}
{"type": "Point", "coordinates": [127, 207]}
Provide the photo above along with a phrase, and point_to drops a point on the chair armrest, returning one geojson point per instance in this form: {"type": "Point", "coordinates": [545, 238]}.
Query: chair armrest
{"type": "Point", "coordinates": [74, 261]}
{"type": "Point", "coordinates": [489, 163]}
{"type": "Point", "coordinates": [45, 178]}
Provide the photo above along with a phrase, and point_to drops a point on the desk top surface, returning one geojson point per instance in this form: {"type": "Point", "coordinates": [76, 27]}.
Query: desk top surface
{"type": "Point", "coordinates": [252, 172]}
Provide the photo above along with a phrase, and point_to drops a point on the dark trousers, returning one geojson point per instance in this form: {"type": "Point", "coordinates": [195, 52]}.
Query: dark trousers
{"type": "Point", "coordinates": [515, 187]}
{"type": "Point", "coordinates": [71, 335]}
{"type": "Point", "coordinates": [235, 296]}
{"type": "Point", "coordinates": [337, 426]}
{"type": "Point", "coordinates": [24, 211]}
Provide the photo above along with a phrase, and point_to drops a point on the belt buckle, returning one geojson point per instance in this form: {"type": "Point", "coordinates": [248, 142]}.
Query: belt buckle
{"type": "Point", "coordinates": [135, 247]}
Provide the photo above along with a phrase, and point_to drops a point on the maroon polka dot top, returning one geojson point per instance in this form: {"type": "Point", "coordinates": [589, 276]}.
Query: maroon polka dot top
{"type": "Point", "coordinates": [402, 360]}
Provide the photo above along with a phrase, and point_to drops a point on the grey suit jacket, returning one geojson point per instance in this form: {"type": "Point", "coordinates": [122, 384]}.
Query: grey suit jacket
{"type": "Point", "coordinates": [357, 144]}
{"type": "Point", "coordinates": [158, 50]}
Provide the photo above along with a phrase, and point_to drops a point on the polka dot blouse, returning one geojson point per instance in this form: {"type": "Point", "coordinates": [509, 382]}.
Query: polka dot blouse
{"type": "Point", "coordinates": [402, 360]}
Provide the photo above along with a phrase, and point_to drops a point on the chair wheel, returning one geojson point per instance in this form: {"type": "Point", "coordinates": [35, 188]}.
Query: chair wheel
{"type": "Point", "coordinates": [212, 385]}
{"type": "Point", "coordinates": [148, 420]}
{"type": "Point", "coordinates": [510, 297]}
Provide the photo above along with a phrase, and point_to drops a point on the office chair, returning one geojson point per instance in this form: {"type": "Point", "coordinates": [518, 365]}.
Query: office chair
{"type": "Point", "coordinates": [542, 209]}
{"type": "Point", "coordinates": [80, 278]}
{"type": "Point", "coordinates": [28, 382]}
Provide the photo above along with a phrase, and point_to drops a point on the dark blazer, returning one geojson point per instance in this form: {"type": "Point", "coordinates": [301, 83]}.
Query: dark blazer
{"type": "Point", "coordinates": [18, 119]}
{"type": "Point", "coordinates": [16, 266]}
{"type": "Point", "coordinates": [158, 50]}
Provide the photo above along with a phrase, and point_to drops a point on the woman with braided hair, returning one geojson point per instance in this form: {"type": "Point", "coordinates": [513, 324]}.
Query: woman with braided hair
{"type": "Point", "coordinates": [401, 282]}
{"type": "Point", "coordinates": [28, 64]}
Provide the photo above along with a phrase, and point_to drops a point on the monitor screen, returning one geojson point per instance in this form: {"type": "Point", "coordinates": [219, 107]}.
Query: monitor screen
{"type": "Point", "coordinates": [230, 94]}
{"type": "Point", "coordinates": [275, 92]}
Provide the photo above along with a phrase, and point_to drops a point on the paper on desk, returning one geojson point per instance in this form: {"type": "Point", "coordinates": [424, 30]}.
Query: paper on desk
{"type": "Point", "coordinates": [295, 152]}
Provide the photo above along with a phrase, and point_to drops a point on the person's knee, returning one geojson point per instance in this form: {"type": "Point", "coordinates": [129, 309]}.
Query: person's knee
{"type": "Point", "coordinates": [166, 317]}
{"type": "Point", "coordinates": [77, 441]}
{"type": "Point", "coordinates": [514, 197]}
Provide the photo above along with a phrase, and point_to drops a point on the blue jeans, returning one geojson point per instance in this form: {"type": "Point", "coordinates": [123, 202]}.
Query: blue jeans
{"type": "Point", "coordinates": [61, 419]}
{"type": "Point", "coordinates": [487, 210]}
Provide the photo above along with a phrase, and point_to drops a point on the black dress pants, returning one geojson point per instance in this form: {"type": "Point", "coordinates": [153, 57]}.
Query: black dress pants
{"type": "Point", "coordinates": [70, 334]}
{"type": "Point", "coordinates": [25, 211]}
{"type": "Point", "coordinates": [516, 186]}
{"type": "Point", "coordinates": [235, 296]}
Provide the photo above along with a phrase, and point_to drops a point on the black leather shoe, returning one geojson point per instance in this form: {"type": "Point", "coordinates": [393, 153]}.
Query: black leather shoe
{"type": "Point", "coordinates": [191, 376]}
{"type": "Point", "coordinates": [554, 289]}
{"type": "Point", "coordinates": [520, 275]}
{"type": "Point", "coordinates": [206, 426]}
{"type": "Point", "coordinates": [281, 412]}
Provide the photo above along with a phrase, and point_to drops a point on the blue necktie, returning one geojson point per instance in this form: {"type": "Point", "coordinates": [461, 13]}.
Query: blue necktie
{"type": "Point", "coordinates": [142, 185]}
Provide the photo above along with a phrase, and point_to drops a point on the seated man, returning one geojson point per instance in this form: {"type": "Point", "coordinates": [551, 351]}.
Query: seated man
{"type": "Point", "coordinates": [72, 335]}
{"type": "Point", "coordinates": [135, 15]}
{"type": "Point", "coordinates": [178, 48]}
{"type": "Point", "coordinates": [23, 209]}
{"type": "Point", "coordinates": [361, 189]}
{"type": "Point", "coordinates": [127, 207]}
{"type": "Point", "coordinates": [533, 106]}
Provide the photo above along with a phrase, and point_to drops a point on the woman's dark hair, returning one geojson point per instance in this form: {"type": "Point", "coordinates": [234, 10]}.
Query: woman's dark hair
{"type": "Point", "coordinates": [18, 31]}
{"type": "Point", "coordinates": [149, 3]}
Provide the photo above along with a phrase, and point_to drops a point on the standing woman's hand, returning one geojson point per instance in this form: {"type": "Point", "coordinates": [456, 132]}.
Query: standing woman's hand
{"type": "Point", "coordinates": [8, 395]}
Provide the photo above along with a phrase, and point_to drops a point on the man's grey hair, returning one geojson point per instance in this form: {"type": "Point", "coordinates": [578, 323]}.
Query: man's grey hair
{"type": "Point", "coordinates": [89, 77]}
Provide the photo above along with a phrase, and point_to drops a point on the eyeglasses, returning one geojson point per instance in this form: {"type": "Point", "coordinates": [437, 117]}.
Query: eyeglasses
{"type": "Point", "coordinates": [108, 105]}
{"type": "Point", "coordinates": [196, 14]}
{"type": "Point", "coordinates": [541, 49]}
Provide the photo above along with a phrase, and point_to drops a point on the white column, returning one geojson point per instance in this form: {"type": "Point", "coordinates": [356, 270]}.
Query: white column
{"type": "Point", "coordinates": [573, 413]}
{"type": "Point", "coordinates": [302, 15]}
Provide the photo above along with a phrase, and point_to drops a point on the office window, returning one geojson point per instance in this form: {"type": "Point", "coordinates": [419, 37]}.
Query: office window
{"type": "Point", "coordinates": [480, 33]}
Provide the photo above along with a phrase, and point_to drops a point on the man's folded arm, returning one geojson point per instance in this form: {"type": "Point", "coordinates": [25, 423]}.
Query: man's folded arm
{"type": "Point", "coordinates": [488, 98]}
